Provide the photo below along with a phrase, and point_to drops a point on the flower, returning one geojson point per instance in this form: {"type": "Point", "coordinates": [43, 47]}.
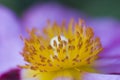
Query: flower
{"type": "Point", "coordinates": [51, 52]}
{"type": "Point", "coordinates": [101, 26]}
{"type": "Point", "coordinates": [106, 28]}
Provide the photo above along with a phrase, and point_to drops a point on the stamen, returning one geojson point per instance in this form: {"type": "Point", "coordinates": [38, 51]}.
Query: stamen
{"type": "Point", "coordinates": [61, 48]}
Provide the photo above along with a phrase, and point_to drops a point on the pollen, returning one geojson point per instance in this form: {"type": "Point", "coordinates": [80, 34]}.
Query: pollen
{"type": "Point", "coordinates": [57, 48]}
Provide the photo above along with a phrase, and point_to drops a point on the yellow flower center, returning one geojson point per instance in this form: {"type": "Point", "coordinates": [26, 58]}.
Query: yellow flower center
{"type": "Point", "coordinates": [59, 48]}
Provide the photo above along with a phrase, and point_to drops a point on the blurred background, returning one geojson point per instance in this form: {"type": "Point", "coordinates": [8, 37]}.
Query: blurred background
{"type": "Point", "coordinates": [96, 8]}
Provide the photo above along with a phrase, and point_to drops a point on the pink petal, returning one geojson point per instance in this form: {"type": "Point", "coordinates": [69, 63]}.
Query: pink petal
{"type": "Point", "coordinates": [108, 65]}
{"type": "Point", "coordinates": [108, 30]}
{"type": "Point", "coordinates": [10, 44]}
{"type": "Point", "coordinates": [38, 15]}
{"type": "Point", "coordinates": [94, 76]}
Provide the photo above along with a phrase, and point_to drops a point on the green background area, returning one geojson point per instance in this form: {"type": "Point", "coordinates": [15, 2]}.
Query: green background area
{"type": "Point", "coordinates": [96, 8]}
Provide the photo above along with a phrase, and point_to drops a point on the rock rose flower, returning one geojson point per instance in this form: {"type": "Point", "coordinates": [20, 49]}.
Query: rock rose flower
{"type": "Point", "coordinates": [11, 27]}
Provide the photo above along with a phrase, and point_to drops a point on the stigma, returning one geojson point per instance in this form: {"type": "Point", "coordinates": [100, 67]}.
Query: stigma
{"type": "Point", "coordinates": [58, 41]}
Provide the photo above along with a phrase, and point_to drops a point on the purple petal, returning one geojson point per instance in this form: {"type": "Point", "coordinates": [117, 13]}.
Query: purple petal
{"type": "Point", "coordinates": [38, 15]}
{"type": "Point", "coordinates": [10, 44]}
{"type": "Point", "coordinates": [93, 76]}
{"type": "Point", "coordinates": [108, 30]}
{"type": "Point", "coordinates": [109, 65]}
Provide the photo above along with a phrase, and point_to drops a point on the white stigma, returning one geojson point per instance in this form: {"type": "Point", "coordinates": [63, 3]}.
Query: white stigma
{"type": "Point", "coordinates": [57, 41]}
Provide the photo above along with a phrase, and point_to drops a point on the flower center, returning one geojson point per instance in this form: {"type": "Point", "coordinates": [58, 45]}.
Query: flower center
{"type": "Point", "coordinates": [76, 47]}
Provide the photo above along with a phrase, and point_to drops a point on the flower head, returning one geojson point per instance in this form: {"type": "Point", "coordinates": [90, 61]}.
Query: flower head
{"type": "Point", "coordinates": [59, 49]}
{"type": "Point", "coordinates": [9, 56]}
